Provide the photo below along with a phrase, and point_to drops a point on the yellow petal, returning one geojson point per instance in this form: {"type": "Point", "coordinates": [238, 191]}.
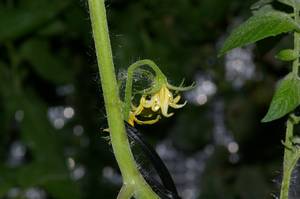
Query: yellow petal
{"type": "Point", "coordinates": [164, 110]}
{"type": "Point", "coordinates": [131, 122]}
{"type": "Point", "coordinates": [131, 119]}
{"type": "Point", "coordinates": [147, 121]}
{"type": "Point", "coordinates": [176, 99]}
{"type": "Point", "coordinates": [173, 105]}
{"type": "Point", "coordinates": [138, 110]}
{"type": "Point", "coordinates": [165, 96]}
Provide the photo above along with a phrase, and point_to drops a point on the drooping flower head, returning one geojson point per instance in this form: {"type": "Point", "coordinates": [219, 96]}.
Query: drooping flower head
{"type": "Point", "coordinates": [154, 101]}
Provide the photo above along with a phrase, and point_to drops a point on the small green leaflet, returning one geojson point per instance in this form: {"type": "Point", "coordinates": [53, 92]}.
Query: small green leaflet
{"type": "Point", "coordinates": [258, 27]}
{"type": "Point", "coordinates": [287, 55]}
{"type": "Point", "coordinates": [286, 98]}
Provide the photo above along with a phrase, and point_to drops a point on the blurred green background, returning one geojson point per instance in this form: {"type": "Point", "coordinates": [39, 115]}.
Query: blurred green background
{"type": "Point", "coordinates": [52, 114]}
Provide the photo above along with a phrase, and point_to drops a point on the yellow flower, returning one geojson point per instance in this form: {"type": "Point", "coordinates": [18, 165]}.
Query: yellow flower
{"type": "Point", "coordinates": [160, 100]}
{"type": "Point", "coordinates": [133, 118]}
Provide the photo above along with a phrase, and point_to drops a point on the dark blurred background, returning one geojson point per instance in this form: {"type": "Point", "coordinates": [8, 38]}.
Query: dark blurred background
{"type": "Point", "coordinates": [52, 113]}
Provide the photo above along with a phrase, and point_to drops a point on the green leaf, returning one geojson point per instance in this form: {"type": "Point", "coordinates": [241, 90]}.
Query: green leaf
{"type": "Point", "coordinates": [287, 55]}
{"type": "Point", "coordinates": [50, 67]}
{"type": "Point", "coordinates": [54, 28]}
{"type": "Point", "coordinates": [286, 98]}
{"type": "Point", "coordinates": [258, 27]}
{"type": "Point", "coordinates": [15, 23]}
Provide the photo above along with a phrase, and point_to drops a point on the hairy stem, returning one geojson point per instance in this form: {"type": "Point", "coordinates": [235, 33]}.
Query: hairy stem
{"type": "Point", "coordinates": [288, 156]}
{"type": "Point", "coordinates": [291, 153]}
{"type": "Point", "coordinates": [291, 157]}
{"type": "Point", "coordinates": [130, 173]}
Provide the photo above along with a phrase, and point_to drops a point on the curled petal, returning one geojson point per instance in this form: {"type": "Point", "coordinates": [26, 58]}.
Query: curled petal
{"type": "Point", "coordinates": [164, 110]}
{"type": "Point", "coordinates": [138, 110]}
{"type": "Point", "coordinates": [147, 121]}
{"type": "Point", "coordinates": [176, 106]}
{"type": "Point", "coordinates": [167, 114]}
{"type": "Point", "coordinates": [176, 99]}
{"type": "Point", "coordinates": [131, 119]}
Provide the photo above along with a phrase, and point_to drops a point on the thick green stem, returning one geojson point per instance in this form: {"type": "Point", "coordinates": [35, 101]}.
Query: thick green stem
{"type": "Point", "coordinates": [296, 42]}
{"type": "Point", "coordinates": [288, 156]}
{"type": "Point", "coordinates": [119, 141]}
{"type": "Point", "coordinates": [297, 49]}
{"type": "Point", "coordinates": [291, 157]}
{"type": "Point", "coordinates": [291, 154]}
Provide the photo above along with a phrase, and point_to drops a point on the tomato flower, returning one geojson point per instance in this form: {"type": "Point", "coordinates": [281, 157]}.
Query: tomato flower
{"type": "Point", "coordinates": [161, 100]}
{"type": "Point", "coordinates": [155, 100]}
